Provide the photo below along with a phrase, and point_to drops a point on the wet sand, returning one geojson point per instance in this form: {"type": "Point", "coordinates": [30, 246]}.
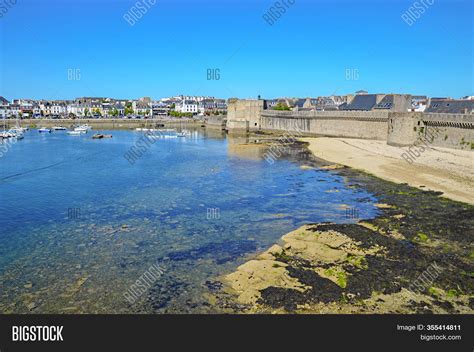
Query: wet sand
{"type": "Point", "coordinates": [439, 169]}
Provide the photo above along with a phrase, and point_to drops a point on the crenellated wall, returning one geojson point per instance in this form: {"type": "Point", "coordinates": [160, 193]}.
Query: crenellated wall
{"type": "Point", "coordinates": [368, 125]}
{"type": "Point", "coordinates": [399, 129]}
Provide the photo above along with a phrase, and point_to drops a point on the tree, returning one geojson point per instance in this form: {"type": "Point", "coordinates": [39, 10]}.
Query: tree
{"type": "Point", "coordinates": [86, 112]}
{"type": "Point", "coordinates": [282, 107]}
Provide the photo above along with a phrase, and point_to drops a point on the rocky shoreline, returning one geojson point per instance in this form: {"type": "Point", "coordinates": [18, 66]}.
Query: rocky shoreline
{"type": "Point", "coordinates": [417, 256]}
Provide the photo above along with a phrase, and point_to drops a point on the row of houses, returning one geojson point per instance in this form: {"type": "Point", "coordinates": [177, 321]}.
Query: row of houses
{"type": "Point", "coordinates": [96, 107]}
{"type": "Point", "coordinates": [363, 101]}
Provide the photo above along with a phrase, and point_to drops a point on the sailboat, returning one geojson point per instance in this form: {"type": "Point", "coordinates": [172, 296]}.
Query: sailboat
{"type": "Point", "coordinates": [6, 134]}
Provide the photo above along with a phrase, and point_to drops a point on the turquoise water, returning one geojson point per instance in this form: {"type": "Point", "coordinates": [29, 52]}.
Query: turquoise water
{"type": "Point", "coordinates": [80, 224]}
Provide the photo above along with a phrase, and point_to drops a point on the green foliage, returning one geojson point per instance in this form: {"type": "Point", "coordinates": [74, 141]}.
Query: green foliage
{"type": "Point", "coordinates": [358, 261]}
{"type": "Point", "coordinates": [340, 275]}
{"type": "Point", "coordinates": [282, 107]}
{"type": "Point", "coordinates": [180, 114]}
{"type": "Point", "coordinates": [421, 237]}
{"type": "Point", "coordinates": [452, 293]}
{"type": "Point", "coordinates": [433, 291]}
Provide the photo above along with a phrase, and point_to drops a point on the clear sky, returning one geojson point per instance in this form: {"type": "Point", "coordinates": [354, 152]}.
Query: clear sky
{"type": "Point", "coordinates": [307, 52]}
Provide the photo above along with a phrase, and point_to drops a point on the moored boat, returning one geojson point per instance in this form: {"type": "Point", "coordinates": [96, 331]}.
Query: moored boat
{"type": "Point", "coordinates": [101, 136]}
{"type": "Point", "coordinates": [44, 130]}
{"type": "Point", "coordinates": [16, 132]}
{"type": "Point", "coordinates": [74, 133]}
{"type": "Point", "coordinates": [6, 135]}
{"type": "Point", "coordinates": [59, 128]}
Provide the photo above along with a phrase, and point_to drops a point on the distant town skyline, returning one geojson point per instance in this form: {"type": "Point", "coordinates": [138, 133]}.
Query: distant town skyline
{"type": "Point", "coordinates": [61, 50]}
{"type": "Point", "coordinates": [161, 98]}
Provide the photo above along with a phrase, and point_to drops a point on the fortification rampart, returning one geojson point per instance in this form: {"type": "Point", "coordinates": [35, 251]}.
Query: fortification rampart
{"type": "Point", "coordinates": [399, 129]}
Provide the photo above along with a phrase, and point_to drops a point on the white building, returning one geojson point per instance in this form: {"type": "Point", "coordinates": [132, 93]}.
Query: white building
{"type": "Point", "coordinates": [4, 108]}
{"type": "Point", "coordinates": [58, 109]}
{"type": "Point", "coordinates": [419, 103]}
{"type": "Point", "coordinates": [79, 109]}
{"type": "Point", "coordinates": [188, 106]}
{"type": "Point", "coordinates": [141, 108]}
{"type": "Point", "coordinates": [13, 110]}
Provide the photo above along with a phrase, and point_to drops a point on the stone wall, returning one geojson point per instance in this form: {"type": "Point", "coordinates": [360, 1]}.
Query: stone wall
{"type": "Point", "coordinates": [402, 128]}
{"type": "Point", "coordinates": [245, 110]}
{"type": "Point", "coordinates": [218, 122]}
{"type": "Point", "coordinates": [452, 130]}
{"type": "Point", "coordinates": [357, 124]}
{"type": "Point", "coordinates": [397, 128]}
{"type": "Point", "coordinates": [103, 123]}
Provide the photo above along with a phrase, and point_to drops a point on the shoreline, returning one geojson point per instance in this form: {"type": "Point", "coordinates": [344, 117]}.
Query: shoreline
{"type": "Point", "coordinates": [104, 123]}
{"type": "Point", "coordinates": [438, 169]}
{"type": "Point", "coordinates": [376, 266]}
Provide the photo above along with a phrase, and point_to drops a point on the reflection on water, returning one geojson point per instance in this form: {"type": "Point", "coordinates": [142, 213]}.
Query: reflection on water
{"type": "Point", "coordinates": [245, 147]}
{"type": "Point", "coordinates": [126, 218]}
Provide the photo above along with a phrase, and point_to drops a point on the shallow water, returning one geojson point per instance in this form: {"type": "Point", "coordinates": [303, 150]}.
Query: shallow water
{"type": "Point", "coordinates": [79, 224]}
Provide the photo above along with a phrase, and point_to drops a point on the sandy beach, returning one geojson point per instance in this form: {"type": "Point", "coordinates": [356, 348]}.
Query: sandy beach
{"type": "Point", "coordinates": [439, 169]}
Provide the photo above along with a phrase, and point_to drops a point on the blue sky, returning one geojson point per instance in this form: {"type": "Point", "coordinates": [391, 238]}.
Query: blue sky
{"type": "Point", "coordinates": [168, 51]}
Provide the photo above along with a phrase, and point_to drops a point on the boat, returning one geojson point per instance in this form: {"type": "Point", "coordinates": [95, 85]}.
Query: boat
{"type": "Point", "coordinates": [59, 128]}
{"type": "Point", "coordinates": [101, 136]}
{"type": "Point", "coordinates": [74, 133]}
{"type": "Point", "coordinates": [16, 133]}
{"type": "Point", "coordinates": [6, 135]}
{"type": "Point", "coordinates": [181, 134]}
{"type": "Point", "coordinates": [44, 130]}
{"type": "Point", "coordinates": [81, 129]}
{"type": "Point", "coordinates": [20, 129]}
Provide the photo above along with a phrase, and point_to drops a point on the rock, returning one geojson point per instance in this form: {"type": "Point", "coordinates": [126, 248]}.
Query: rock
{"type": "Point", "coordinates": [256, 275]}
{"type": "Point", "coordinates": [332, 167]}
{"type": "Point", "coordinates": [31, 306]}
